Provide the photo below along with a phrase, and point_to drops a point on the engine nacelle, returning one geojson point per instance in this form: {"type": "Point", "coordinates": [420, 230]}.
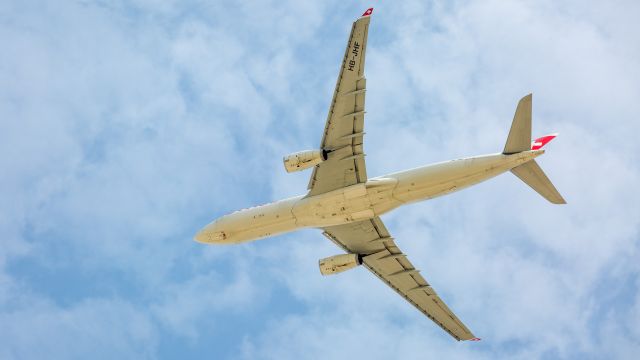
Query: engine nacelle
{"type": "Point", "coordinates": [304, 160]}
{"type": "Point", "coordinates": [339, 263]}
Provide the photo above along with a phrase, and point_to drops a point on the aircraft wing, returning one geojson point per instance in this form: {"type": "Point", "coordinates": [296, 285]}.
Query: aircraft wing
{"type": "Point", "coordinates": [382, 257]}
{"type": "Point", "coordinates": [343, 131]}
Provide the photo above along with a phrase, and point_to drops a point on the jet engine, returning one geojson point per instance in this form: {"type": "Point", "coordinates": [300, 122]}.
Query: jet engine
{"type": "Point", "coordinates": [339, 263]}
{"type": "Point", "coordinates": [304, 160]}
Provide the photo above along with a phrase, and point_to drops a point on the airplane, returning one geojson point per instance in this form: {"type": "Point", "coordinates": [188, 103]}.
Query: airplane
{"type": "Point", "coordinates": [346, 204]}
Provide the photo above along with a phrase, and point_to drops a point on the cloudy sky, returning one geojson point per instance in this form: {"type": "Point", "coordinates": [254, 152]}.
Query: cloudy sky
{"type": "Point", "coordinates": [125, 126]}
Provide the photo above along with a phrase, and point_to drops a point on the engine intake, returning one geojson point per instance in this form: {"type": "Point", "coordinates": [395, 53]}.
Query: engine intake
{"type": "Point", "coordinates": [339, 263]}
{"type": "Point", "coordinates": [304, 160]}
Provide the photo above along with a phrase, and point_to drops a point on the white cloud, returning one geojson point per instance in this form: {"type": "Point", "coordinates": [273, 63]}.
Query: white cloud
{"type": "Point", "coordinates": [125, 127]}
{"type": "Point", "coordinates": [96, 328]}
{"type": "Point", "coordinates": [185, 305]}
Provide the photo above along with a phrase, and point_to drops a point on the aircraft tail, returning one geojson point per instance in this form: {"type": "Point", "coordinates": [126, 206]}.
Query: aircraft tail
{"type": "Point", "coordinates": [519, 140]}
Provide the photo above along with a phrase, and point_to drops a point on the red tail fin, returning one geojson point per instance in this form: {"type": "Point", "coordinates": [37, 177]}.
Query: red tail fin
{"type": "Point", "coordinates": [538, 143]}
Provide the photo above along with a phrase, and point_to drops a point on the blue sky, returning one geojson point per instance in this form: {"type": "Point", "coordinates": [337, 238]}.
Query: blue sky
{"type": "Point", "coordinates": [125, 126]}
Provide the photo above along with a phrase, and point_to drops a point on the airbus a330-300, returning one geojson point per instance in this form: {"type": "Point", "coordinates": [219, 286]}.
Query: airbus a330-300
{"type": "Point", "coordinates": [346, 204]}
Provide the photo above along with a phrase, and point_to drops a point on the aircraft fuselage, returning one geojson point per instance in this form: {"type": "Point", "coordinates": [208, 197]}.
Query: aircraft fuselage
{"type": "Point", "coordinates": [361, 201]}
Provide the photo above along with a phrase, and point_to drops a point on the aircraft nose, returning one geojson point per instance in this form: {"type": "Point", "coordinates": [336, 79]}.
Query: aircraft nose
{"type": "Point", "coordinates": [212, 234]}
{"type": "Point", "coordinates": [202, 236]}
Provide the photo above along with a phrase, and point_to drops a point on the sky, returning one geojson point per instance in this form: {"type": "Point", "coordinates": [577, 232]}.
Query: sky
{"type": "Point", "coordinates": [126, 126]}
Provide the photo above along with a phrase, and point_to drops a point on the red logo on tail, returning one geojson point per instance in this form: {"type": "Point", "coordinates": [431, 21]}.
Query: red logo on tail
{"type": "Point", "coordinates": [538, 143]}
{"type": "Point", "coordinates": [368, 12]}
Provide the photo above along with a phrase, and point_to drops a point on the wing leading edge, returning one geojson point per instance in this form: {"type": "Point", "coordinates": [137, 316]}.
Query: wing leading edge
{"type": "Point", "coordinates": [382, 257]}
{"type": "Point", "coordinates": [344, 128]}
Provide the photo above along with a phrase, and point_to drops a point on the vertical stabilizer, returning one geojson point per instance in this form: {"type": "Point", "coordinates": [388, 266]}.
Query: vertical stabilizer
{"type": "Point", "coordinates": [520, 134]}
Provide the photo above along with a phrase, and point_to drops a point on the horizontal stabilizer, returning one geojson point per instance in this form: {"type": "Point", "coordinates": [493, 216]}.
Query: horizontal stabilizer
{"type": "Point", "coordinates": [533, 176]}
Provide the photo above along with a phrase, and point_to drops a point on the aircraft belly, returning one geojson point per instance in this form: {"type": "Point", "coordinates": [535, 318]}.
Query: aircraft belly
{"type": "Point", "coordinates": [362, 201]}
{"type": "Point", "coordinates": [349, 204]}
{"type": "Point", "coordinates": [380, 194]}
{"type": "Point", "coordinates": [333, 208]}
{"type": "Point", "coordinates": [257, 222]}
{"type": "Point", "coordinates": [444, 178]}
{"type": "Point", "coordinates": [264, 231]}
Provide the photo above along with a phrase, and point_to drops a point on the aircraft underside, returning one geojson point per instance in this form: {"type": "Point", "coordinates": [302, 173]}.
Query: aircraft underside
{"type": "Point", "coordinates": [361, 201]}
{"type": "Point", "coordinates": [346, 204]}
